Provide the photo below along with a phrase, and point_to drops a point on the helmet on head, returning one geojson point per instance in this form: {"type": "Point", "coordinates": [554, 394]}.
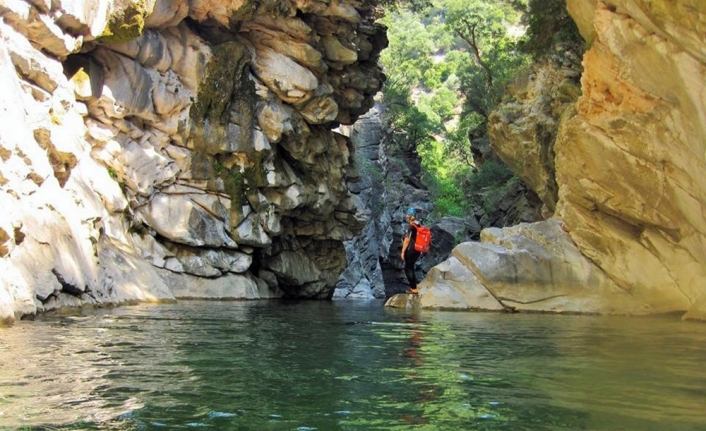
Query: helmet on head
{"type": "Point", "coordinates": [412, 211]}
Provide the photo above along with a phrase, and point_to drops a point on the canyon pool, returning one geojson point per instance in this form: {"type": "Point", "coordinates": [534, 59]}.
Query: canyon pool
{"type": "Point", "coordinates": [349, 365]}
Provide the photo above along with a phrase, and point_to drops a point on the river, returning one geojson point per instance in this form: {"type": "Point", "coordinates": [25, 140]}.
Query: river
{"type": "Point", "coordinates": [349, 365]}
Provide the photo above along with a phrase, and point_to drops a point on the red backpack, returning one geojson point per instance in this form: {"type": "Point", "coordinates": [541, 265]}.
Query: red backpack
{"type": "Point", "coordinates": [422, 240]}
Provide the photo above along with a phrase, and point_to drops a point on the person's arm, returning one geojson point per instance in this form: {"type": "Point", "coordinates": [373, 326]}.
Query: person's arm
{"type": "Point", "coordinates": [405, 243]}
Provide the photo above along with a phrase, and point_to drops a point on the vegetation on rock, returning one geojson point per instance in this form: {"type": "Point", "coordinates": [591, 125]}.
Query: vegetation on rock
{"type": "Point", "coordinates": [448, 65]}
{"type": "Point", "coordinates": [125, 23]}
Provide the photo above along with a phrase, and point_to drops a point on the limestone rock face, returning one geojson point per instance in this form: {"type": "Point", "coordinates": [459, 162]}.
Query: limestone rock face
{"type": "Point", "coordinates": [628, 162]}
{"type": "Point", "coordinates": [201, 154]}
{"type": "Point", "coordinates": [523, 129]}
{"type": "Point", "coordinates": [363, 277]}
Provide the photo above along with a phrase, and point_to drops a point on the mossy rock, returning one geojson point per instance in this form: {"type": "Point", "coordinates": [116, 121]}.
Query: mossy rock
{"type": "Point", "coordinates": [227, 74]}
{"type": "Point", "coordinates": [126, 22]}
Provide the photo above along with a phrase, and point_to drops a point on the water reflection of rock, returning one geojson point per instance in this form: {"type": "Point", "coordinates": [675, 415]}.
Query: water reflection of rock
{"type": "Point", "coordinates": [613, 370]}
{"type": "Point", "coordinates": [74, 370]}
{"type": "Point", "coordinates": [56, 372]}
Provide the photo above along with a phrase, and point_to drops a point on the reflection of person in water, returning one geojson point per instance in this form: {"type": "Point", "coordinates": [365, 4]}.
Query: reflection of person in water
{"type": "Point", "coordinates": [423, 392]}
{"type": "Point", "coordinates": [416, 356]}
{"type": "Point", "coordinates": [415, 342]}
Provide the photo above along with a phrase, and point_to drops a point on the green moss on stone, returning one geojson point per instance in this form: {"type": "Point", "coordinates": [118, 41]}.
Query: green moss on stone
{"type": "Point", "coordinates": [216, 88]}
{"type": "Point", "coordinates": [227, 96]}
{"type": "Point", "coordinates": [233, 183]}
{"type": "Point", "coordinates": [254, 171]}
{"type": "Point", "coordinates": [225, 88]}
{"type": "Point", "coordinates": [126, 22]}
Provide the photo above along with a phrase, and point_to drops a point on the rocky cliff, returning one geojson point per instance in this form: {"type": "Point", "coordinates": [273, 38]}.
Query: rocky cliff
{"type": "Point", "coordinates": [620, 167]}
{"type": "Point", "coordinates": [158, 149]}
{"type": "Point", "coordinates": [389, 184]}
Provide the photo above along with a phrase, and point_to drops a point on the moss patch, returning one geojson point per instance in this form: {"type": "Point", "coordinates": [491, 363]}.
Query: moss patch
{"type": "Point", "coordinates": [126, 22]}
{"type": "Point", "coordinates": [224, 93]}
{"type": "Point", "coordinates": [233, 182]}
{"type": "Point", "coordinates": [227, 75]}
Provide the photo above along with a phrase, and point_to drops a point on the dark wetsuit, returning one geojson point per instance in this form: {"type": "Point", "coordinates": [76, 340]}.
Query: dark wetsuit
{"type": "Point", "coordinates": [410, 257]}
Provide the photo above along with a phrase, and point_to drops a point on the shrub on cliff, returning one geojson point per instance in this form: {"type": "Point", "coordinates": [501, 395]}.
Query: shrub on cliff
{"type": "Point", "coordinates": [549, 26]}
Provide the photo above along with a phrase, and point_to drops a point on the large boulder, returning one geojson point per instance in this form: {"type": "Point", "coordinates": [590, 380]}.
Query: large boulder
{"type": "Point", "coordinates": [447, 233]}
{"type": "Point", "coordinates": [529, 267]}
{"type": "Point", "coordinates": [450, 285]}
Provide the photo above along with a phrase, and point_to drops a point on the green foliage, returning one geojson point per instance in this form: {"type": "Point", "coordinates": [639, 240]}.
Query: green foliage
{"type": "Point", "coordinates": [550, 25]}
{"type": "Point", "coordinates": [450, 200]}
{"type": "Point", "coordinates": [488, 186]}
{"type": "Point", "coordinates": [455, 58]}
{"type": "Point", "coordinates": [443, 102]}
{"type": "Point", "coordinates": [491, 174]}
{"type": "Point", "coordinates": [490, 32]}
{"type": "Point", "coordinates": [411, 47]}
{"type": "Point", "coordinates": [441, 175]}
{"type": "Point", "coordinates": [413, 5]}
{"type": "Point", "coordinates": [458, 143]}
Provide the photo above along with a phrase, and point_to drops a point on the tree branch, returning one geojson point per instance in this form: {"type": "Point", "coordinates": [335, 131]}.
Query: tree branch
{"type": "Point", "coordinates": [473, 43]}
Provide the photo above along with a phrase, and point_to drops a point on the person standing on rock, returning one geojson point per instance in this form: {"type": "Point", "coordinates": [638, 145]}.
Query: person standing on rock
{"type": "Point", "coordinates": [409, 254]}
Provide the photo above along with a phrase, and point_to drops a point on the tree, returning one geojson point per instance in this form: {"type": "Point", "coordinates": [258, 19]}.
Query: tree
{"type": "Point", "coordinates": [486, 30]}
{"type": "Point", "coordinates": [412, 5]}
{"type": "Point", "coordinates": [410, 49]}
{"type": "Point", "coordinates": [551, 25]}
{"type": "Point", "coordinates": [458, 52]}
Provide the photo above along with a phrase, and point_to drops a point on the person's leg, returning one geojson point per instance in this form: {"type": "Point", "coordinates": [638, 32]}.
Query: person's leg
{"type": "Point", "coordinates": [409, 272]}
{"type": "Point", "coordinates": [410, 260]}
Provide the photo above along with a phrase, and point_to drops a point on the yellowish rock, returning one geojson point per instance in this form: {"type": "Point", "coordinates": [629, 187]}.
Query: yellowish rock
{"type": "Point", "coordinates": [629, 162]}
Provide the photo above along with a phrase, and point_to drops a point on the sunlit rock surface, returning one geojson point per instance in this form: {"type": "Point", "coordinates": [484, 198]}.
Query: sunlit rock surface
{"type": "Point", "coordinates": [529, 267]}
{"type": "Point", "coordinates": [630, 163]}
{"type": "Point", "coordinates": [523, 129]}
{"type": "Point", "coordinates": [629, 158]}
{"type": "Point", "coordinates": [190, 140]}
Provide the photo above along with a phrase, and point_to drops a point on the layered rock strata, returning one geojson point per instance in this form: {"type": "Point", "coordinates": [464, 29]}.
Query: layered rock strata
{"type": "Point", "coordinates": [630, 161]}
{"type": "Point", "coordinates": [625, 178]}
{"type": "Point", "coordinates": [168, 148]}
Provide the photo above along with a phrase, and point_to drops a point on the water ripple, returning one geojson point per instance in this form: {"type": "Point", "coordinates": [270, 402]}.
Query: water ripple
{"type": "Point", "coordinates": [345, 365]}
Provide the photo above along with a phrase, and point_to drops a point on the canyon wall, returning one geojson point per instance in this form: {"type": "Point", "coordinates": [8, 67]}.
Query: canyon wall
{"type": "Point", "coordinates": [619, 165]}
{"type": "Point", "coordinates": [630, 162]}
{"type": "Point", "coordinates": [161, 149]}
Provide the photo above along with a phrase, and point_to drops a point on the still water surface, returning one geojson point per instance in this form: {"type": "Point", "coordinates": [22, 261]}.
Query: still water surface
{"type": "Point", "coordinates": [349, 365]}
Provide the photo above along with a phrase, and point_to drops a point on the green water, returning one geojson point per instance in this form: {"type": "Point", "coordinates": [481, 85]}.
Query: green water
{"type": "Point", "coordinates": [349, 365]}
